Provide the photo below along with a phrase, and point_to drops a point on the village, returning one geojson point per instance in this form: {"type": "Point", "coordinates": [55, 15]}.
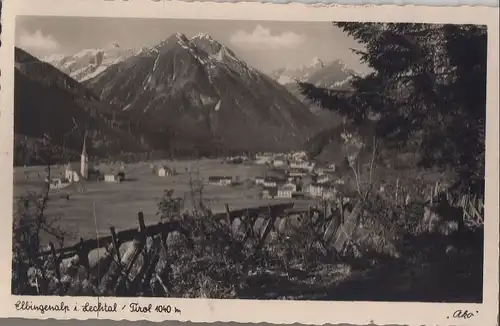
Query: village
{"type": "Point", "coordinates": [290, 175]}
{"type": "Point", "coordinates": [287, 175]}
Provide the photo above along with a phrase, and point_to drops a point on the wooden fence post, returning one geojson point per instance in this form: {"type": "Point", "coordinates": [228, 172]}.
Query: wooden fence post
{"type": "Point", "coordinates": [57, 261]}
{"type": "Point", "coordinates": [325, 211]}
{"type": "Point", "coordinates": [142, 225]}
{"type": "Point", "coordinates": [342, 209]}
{"type": "Point", "coordinates": [249, 227]}
{"type": "Point", "coordinates": [228, 215]}
{"type": "Point", "coordinates": [267, 230]}
{"type": "Point", "coordinates": [331, 227]}
{"type": "Point", "coordinates": [163, 237]}
{"type": "Point", "coordinates": [116, 244]}
{"type": "Point", "coordinates": [148, 268]}
{"type": "Point", "coordinates": [347, 229]}
{"type": "Point", "coordinates": [83, 253]}
{"type": "Point", "coordinates": [123, 281]}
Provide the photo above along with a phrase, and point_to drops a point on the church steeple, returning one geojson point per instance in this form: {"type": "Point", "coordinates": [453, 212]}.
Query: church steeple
{"type": "Point", "coordinates": [84, 148]}
{"type": "Point", "coordinates": [84, 162]}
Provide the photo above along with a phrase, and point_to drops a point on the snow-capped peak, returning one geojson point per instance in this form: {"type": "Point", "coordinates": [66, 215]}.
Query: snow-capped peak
{"type": "Point", "coordinates": [113, 45]}
{"type": "Point", "coordinates": [342, 65]}
{"type": "Point", "coordinates": [53, 57]}
{"type": "Point", "coordinates": [88, 63]}
{"type": "Point", "coordinates": [316, 71]}
{"type": "Point", "coordinates": [316, 61]}
{"type": "Point", "coordinates": [202, 36]}
{"type": "Point", "coordinates": [180, 36]}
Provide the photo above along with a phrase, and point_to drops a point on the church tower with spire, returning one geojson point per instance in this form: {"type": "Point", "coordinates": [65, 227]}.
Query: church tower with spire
{"type": "Point", "coordinates": [84, 161]}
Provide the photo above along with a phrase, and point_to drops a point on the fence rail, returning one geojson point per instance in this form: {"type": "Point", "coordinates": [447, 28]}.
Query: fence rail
{"type": "Point", "coordinates": [85, 246]}
{"type": "Point", "coordinates": [111, 274]}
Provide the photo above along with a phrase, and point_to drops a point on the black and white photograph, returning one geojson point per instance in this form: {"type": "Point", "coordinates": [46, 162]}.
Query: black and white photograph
{"type": "Point", "coordinates": [249, 159]}
{"type": "Point", "coordinates": [260, 160]}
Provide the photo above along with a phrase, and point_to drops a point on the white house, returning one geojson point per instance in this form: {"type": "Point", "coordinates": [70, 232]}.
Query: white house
{"type": "Point", "coordinates": [264, 158]}
{"type": "Point", "coordinates": [279, 161]}
{"type": "Point", "coordinates": [309, 166]}
{"type": "Point", "coordinates": [56, 183]}
{"type": "Point", "coordinates": [110, 178]}
{"type": "Point", "coordinates": [339, 181]}
{"type": "Point", "coordinates": [299, 156]}
{"type": "Point", "coordinates": [315, 189]}
{"type": "Point", "coordinates": [163, 171]}
{"type": "Point", "coordinates": [296, 173]}
{"type": "Point", "coordinates": [259, 180]}
{"type": "Point", "coordinates": [261, 161]}
{"type": "Point", "coordinates": [321, 190]}
{"type": "Point", "coordinates": [271, 182]}
{"type": "Point", "coordinates": [323, 170]}
{"type": "Point", "coordinates": [291, 185]}
{"type": "Point", "coordinates": [220, 181]}
{"type": "Point", "coordinates": [70, 174]}
{"type": "Point", "coordinates": [264, 155]}
{"type": "Point", "coordinates": [325, 178]}
{"type": "Point", "coordinates": [287, 190]}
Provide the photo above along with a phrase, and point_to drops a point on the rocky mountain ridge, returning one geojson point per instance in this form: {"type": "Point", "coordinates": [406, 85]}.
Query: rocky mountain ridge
{"type": "Point", "coordinates": [197, 91]}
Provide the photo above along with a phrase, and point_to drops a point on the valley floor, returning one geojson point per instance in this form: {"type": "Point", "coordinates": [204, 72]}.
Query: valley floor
{"type": "Point", "coordinates": [117, 204]}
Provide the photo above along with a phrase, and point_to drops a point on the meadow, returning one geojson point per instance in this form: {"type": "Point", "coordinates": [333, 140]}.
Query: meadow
{"type": "Point", "coordinates": [102, 204]}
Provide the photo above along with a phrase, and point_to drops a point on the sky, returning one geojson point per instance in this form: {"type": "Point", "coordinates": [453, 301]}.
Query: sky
{"type": "Point", "coordinates": [266, 45]}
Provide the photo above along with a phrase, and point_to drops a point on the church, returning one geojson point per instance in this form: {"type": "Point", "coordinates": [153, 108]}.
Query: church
{"type": "Point", "coordinates": [72, 173]}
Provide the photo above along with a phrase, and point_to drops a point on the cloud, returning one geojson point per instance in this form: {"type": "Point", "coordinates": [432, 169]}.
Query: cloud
{"type": "Point", "coordinates": [38, 42]}
{"type": "Point", "coordinates": [262, 38]}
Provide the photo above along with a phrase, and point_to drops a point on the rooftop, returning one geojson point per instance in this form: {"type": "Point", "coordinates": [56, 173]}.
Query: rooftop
{"type": "Point", "coordinates": [272, 179]}
{"type": "Point", "coordinates": [323, 185]}
{"type": "Point", "coordinates": [219, 178]}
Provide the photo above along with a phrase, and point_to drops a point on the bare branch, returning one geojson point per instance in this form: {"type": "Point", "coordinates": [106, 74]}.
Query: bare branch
{"type": "Point", "coordinates": [374, 152]}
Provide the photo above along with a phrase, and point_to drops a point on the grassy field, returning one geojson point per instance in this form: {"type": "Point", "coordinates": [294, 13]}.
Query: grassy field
{"type": "Point", "coordinates": [117, 204]}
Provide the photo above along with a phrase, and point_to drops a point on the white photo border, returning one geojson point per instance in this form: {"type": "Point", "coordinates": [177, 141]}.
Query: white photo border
{"type": "Point", "coordinates": [254, 311]}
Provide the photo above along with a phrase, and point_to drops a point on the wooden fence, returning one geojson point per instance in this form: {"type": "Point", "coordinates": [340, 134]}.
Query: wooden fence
{"type": "Point", "coordinates": [83, 247]}
{"type": "Point", "coordinates": [116, 278]}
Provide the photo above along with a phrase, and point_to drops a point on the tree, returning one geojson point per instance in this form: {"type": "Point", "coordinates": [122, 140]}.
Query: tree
{"type": "Point", "coordinates": [169, 207]}
{"type": "Point", "coordinates": [427, 87]}
{"type": "Point", "coordinates": [30, 223]}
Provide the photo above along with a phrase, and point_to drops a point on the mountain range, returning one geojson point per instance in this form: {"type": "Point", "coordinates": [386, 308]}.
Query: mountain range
{"type": "Point", "coordinates": [89, 63]}
{"type": "Point", "coordinates": [333, 75]}
{"type": "Point", "coordinates": [48, 102]}
{"type": "Point", "coordinates": [186, 96]}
